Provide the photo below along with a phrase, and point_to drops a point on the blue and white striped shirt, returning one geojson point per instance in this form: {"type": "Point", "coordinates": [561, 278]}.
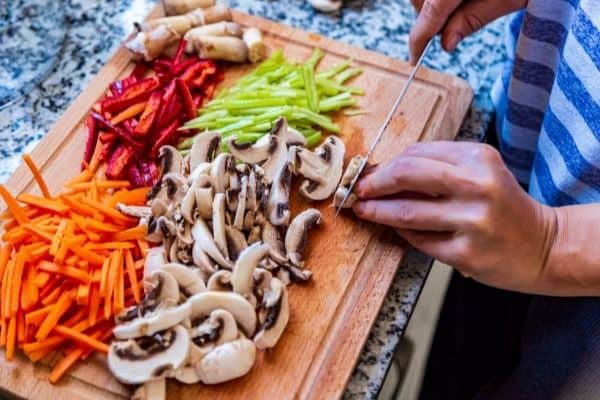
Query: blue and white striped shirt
{"type": "Point", "coordinates": [548, 100]}
{"type": "Point", "coordinates": [548, 122]}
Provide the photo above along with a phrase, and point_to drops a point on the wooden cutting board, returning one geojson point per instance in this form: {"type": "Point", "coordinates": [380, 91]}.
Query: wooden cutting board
{"type": "Point", "coordinates": [353, 262]}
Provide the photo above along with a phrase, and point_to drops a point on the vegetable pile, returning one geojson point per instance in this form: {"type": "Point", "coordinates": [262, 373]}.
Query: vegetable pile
{"type": "Point", "coordinates": [68, 264]}
{"type": "Point", "coordinates": [278, 88]}
{"type": "Point", "coordinates": [143, 112]}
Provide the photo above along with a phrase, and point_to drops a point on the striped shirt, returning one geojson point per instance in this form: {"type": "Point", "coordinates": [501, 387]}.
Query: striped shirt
{"type": "Point", "coordinates": [548, 123]}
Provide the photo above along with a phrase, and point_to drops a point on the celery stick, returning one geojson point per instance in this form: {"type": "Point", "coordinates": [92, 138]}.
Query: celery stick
{"type": "Point", "coordinates": [317, 119]}
{"type": "Point", "coordinates": [313, 140]}
{"type": "Point", "coordinates": [355, 112]}
{"type": "Point", "coordinates": [253, 103]}
{"type": "Point", "coordinates": [314, 58]}
{"type": "Point", "coordinates": [336, 69]}
{"type": "Point", "coordinates": [335, 87]}
{"type": "Point", "coordinates": [347, 74]}
{"type": "Point", "coordinates": [310, 86]}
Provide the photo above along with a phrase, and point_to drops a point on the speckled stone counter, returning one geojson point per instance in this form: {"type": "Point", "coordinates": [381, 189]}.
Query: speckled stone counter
{"type": "Point", "coordinates": [92, 30]}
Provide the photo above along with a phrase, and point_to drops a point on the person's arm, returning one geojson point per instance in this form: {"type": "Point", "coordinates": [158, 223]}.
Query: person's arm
{"type": "Point", "coordinates": [454, 20]}
{"type": "Point", "coordinates": [459, 203]}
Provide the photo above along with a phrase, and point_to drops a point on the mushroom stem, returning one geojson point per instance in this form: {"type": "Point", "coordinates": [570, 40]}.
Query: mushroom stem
{"type": "Point", "coordinates": [223, 28]}
{"type": "Point", "coordinates": [176, 7]}
{"type": "Point", "coordinates": [257, 50]}
{"type": "Point", "coordinates": [221, 48]}
{"type": "Point", "coordinates": [151, 43]}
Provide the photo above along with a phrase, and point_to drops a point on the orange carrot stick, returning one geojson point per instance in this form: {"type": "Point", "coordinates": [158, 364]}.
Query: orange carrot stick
{"type": "Point", "coordinates": [4, 256]}
{"type": "Point", "coordinates": [36, 317]}
{"type": "Point", "coordinates": [77, 205]}
{"type": "Point", "coordinates": [64, 364]}
{"type": "Point", "coordinates": [108, 211]}
{"type": "Point", "coordinates": [3, 333]}
{"type": "Point", "coordinates": [119, 300]}
{"type": "Point", "coordinates": [16, 283]}
{"type": "Point", "coordinates": [100, 185]}
{"type": "Point", "coordinates": [41, 279]}
{"type": "Point", "coordinates": [13, 206]}
{"type": "Point", "coordinates": [37, 175]}
{"type": "Point", "coordinates": [109, 246]}
{"type": "Point", "coordinates": [129, 112]}
{"type": "Point", "coordinates": [104, 276]}
{"type": "Point", "coordinates": [46, 204]}
{"type": "Point", "coordinates": [21, 331]}
{"type": "Point", "coordinates": [131, 197]}
{"type": "Point", "coordinates": [58, 236]}
{"type": "Point", "coordinates": [83, 294]}
{"type": "Point", "coordinates": [70, 272]}
{"type": "Point", "coordinates": [61, 307]}
{"type": "Point", "coordinates": [87, 255]}
{"type": "Point", "coordinates": [44, 235]}
{"type": "Point", "coordinates": [137, 232]}
{"type": "Point", "coordinates": [131, 273]}
{"type": "Point", "coordinates": [85, 176]}
{"type": "Point", "coordinates": [94, 304]}
{"type": "Point", "coordinates": [50, 342]}
{"type": "Point", "coordinates": [82, 338]}
{"type": "Point", "coordinates": [11, 338]}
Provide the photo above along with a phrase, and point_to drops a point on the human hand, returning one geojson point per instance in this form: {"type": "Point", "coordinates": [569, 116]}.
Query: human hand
{"type": "Point", "coordinates": [454, 19]}
{"type": "Point", "coordinates": [459, 203]}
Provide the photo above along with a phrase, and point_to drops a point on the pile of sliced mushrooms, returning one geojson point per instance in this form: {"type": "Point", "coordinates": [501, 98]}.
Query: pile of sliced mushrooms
{"type": "Point", "coordinates": [207, 28]}
{"type": "Point", "coordinates": [227, 247]}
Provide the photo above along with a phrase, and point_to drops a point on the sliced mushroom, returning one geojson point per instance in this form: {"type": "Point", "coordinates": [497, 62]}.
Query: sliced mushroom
{"type": "Point", "coordinates": [203, 200]}
{"type": "Point", "coordinates": [188, 278]}
{"type": "Point", "coordinates": [203, 303]}
{"type": "Point", "coordinates": [347, 178]}
{"type": "Point", "coordinates": [200, 175]}
{"type": "Point", "coordinates": [295, 237]}
{"type": "Point", "coordinates": [243, 271]}
{"type": "Point", "coordinates": [295, 138]}
{"type": "Point", "coordinates": [277, 150]}
{"type": "Point", "coordinates": [219, 172]}
{"type": "Point", "coordinates": [161, 291]}
{"type": "Point", "coordinates": [171, 160]}
{"type": "Point", "coordinates": [188, 205]}
{"type": "Point", "coordinates": [206, 266]}
{"type": "Point", "coordinates": [236, 242]}
{"type": "Point", "coordinates": [272, 236]}
{"type": "Point", "coordinates": [228, 361]}
{"type": "Point", "coordinates": [253, 153]}
{"type": "Point", "coordinates": [278, 205]}
{"type": "Point", "coordinates": [152, 390]}
{"type": "Point", "coordinates": [238, 221]}
{"type": "Point", "coordinates": [251, 201]}
{"type": "Point", "coordinates": [290, 273]}
{"type": "Point", "coordinates": [218, 224]}
{"type": "Point", "coordinates": [204, 149]}
{"type": "Point", "coordinates": [220, 327]}
{"type": "Point", "coordinates": [220, 281]}
{"type": "Point", "coordinates": [254, 235]}
{"type": "Point", "coordinates": [322, 169]}
{"type": "Point", "coordinates": [249, 220]}
{"type": "Point", "coordinates": [204, 243]}
{"type": "Point", "coordinates": [152, 323]}
{"type": "Point", "coordinates": [160, 228]}
{"type": "Point", "coordinates": [155, 259]}
{"type": "Point", "coordinates": [262, 281]}
{"type": "Point", "coordinates": [135, 211]}
{"type": "Point", "coordinates": [180, 251]}
{"type": "Point", "coordinates": [175, 186]}
{"type": "Point", "coordinates": [149, 358]}
{"type": "Point", "coordinates": [274, 315]}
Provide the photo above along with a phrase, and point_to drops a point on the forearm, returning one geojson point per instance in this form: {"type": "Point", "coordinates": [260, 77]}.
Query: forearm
{"type": "Point", "coordinates": [572, 267]}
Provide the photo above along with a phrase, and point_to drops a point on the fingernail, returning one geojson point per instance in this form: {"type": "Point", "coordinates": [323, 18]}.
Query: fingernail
{"type": "Point", "coordinates": [452, 41]}
{"type": "Point", "coordinates": [360, 189]}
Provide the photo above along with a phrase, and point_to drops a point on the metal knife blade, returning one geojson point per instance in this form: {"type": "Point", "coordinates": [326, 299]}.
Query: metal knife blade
{"type": "Point", "coordinates": [386, 123]}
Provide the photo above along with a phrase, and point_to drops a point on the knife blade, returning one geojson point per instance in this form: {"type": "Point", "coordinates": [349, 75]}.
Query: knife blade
{"type": "Point", "coordinates": [383, 128]}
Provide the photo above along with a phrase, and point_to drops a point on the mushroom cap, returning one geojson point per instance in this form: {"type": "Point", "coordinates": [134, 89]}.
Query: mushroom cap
{"type": "Point", "coordinates": [295, 237]}
{"type": "Point", "coordinates": [171, 160]}
{"type": "Point", "coordinates": [242, 276]}
{"type": "Point", "coordinates": [149, 365]}
{"type": "Point", "coordinates": [204, 242]}
{"type": "Point", "coordinates": [252, 153]}
{"type": "Point", "coordinates": [162, 287]}
{"type": "Point", "coordinates": [156, 321]}
{"type": "Point", "coordinates": [279, 197]}
{"type": "Point", "coordinates": [228, 361]}
{"type": "Point", "coordinates": [219, 172]}
{"type": "Point", "coordinates": [188, 278]}
{"type": "Point", "coordinates": [272, 236]}
{"type": "Point", "coordinates": [202, 304]}
{"type": "Point", "coordinates": [236, 242]}
{"type": "Point", "coordinates": [277, 150]}
{"type": "Point", "coordinates": [204, 149]}
{"type": "Point", "coordinates": [220, 327]}
{"type": "Point", "coordinates": [220, 281]}
{"type": "Point", "coordinates": [322, 177]}
{"type": "Point", "coordinates": [275, 309]}
{"type": "Point", "coordinates": [218, 224]}
{"type": "Point", "coordinates": [155, 259]}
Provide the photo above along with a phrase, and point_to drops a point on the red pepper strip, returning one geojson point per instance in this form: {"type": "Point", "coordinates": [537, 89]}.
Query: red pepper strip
{"type": "Point", "coordinates": [149, 114]}
{"type": "Point", "coordinates": [195, 70]}
{"type": "Point", "coordinates": [140, 90]}
{"type": "Point", "coordinates": [124, 134]}
{"type": "Point", "coordinates": [186, 97]}
{"type": "Point", "coordinates": [134, 176]}
{"type": "Point", "coordinates": [174, 113]}
{"type": "Point", "coordinates": [209, 90]}
{"type": "Point", "coordinates": [139, 71]}
{"type": "Point", "coordinates": [149, 172]}
{"type": "Point", "coordinates": [182, 66]}
{"type": "Point", "coordinates": [167, 99]}
{"type": "Point", "coordinates": [165, 136]}
{"type": "Point", "coordinates": [204, 75]}
{"type": "Point", "coordinates": [162, 66]}
{"type": "Point", "coordinates": [179, 52]}
{"type": "Point", "coordinates": [91, 140]}
{"type": "Point", "coordinates": [119, 160]}
{"type": "Point", "coordinates": [107, 149]}
{"type": "Point", "coordinates": [197, 101]}
{"type": "Point", "coordinates": [107, 137]}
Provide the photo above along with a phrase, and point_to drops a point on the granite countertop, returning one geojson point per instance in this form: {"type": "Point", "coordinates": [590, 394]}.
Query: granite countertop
{"type": "Point", "coordinates": [84, 33]}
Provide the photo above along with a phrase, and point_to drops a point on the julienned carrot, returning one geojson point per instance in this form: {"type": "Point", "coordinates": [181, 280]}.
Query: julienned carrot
{"type": "Point", "coordinates": [46, 204]}
{"type": "Point", "coordinates": [64, 364]}
{"type": "Point", "coordinates": [37, 175]}
{"type": "Point", "coordinates": [13, 206]}
{"type": "Point", "coordinates": [60, 308]}
{"type": "Point", "coordinates": [129, 112]}
{"type": "Point", "coordinates": [132, 275]}
{"type": "Point", "coordinates": [70, 272]}
{"type": "Point", "coordinates": [52, 265]}
{"type": "Point", "coordinates": [81, 338]}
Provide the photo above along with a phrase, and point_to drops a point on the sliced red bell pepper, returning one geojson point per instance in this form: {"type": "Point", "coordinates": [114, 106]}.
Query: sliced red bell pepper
{"type": "Point", "coordinates": [107, 137]}
{"type": "Point", "coordinates": [118, 87]}
{"type": "Point", "coordinates": [195, 70]}
{"type": "Point", "coordinates": [138, 91]}
{"type": "Point", "coordinates": [107, 149]}
{"type": "Point", "coordinates": [134, 176]}
{"type": "Point", "coordinates": [174, 113]}
{"type": "Point", "coordinates": [139, 71]}
{"type": "Point", "coordinates": [204, 75]}
{"type": "Point", "coordinates": [118, 161]}
{"type": "Point", "coordinates": [209, 90]}
{"type": "Point", "coordinates": [91, 138]}
{"type": "Point", "coordinates": [148, 171]}
{"type": "Point", "coordinates": [149, 115]}
{"type": "Point", "coordinates": [165, 136]}
{"type": "Point", "coordinates": [168, 99]}
{"type": "Point", "coordinates": [179, 53]}
{"type": "Point", "coordinates": [123, 133]}
{"type": "Point", "coordinates": [186, 97]}
{"type": "Point", "coordinates": [182, 66]}
{"type": "Point", "coordinates": [197, 101]}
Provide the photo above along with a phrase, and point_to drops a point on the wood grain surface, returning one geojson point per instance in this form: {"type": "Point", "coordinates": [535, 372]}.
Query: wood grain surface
{"type": "Point", "coordinates": [353, 262]}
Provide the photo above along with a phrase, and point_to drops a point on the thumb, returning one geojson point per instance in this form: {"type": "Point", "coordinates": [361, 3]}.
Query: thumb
{"type": "Point", "coordinates": [473, 15]}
